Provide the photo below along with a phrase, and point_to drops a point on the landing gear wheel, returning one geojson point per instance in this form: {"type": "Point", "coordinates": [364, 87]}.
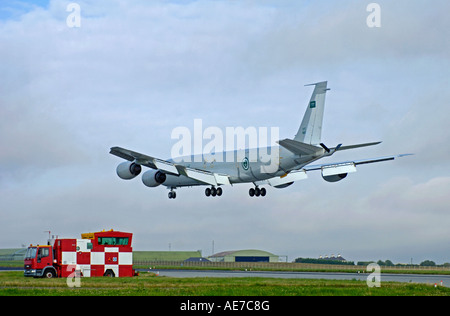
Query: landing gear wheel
{"type": "Point", "coordinates": [213, 191]}
{"type": "Point", "coordinates": [257, 192]}
{"type": "Point", "coordinates": [172, 195]}
{"type": "Point", "coordinates": [263, 192]}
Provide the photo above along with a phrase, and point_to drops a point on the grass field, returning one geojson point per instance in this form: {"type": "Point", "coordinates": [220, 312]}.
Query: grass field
{"type": "Point", "coordinates": [147, 284]}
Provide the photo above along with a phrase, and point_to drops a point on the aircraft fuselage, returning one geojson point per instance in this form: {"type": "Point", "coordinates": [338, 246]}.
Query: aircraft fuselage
{"type": "Point", "coordinates": [242, 166]}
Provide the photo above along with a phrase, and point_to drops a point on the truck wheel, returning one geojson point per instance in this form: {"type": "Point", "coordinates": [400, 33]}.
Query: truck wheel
{"type": "Point", "coordinates": [109, 273]}
{"type": "Point", "coordinates": [49, 274]}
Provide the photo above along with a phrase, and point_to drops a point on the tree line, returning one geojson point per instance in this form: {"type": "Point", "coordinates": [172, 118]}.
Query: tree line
{"type": "Point", "coordinates": [386, 263]}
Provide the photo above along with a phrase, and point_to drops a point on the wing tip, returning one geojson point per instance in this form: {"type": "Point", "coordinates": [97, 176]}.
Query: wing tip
{"type": "Point", "coordinates": [404, 155]}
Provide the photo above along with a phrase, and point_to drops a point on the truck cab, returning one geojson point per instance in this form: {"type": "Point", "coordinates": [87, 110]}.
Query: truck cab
{"type": "Point", "coordinates": [38, 262]}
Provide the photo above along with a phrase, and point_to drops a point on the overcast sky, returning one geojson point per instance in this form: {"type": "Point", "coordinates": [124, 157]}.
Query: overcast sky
{"type": "Point", "coordinates": [135, 70]}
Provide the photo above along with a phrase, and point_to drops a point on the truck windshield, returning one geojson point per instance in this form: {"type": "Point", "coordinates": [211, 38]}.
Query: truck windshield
{"type": "Point", "coordinates": [31, 253]}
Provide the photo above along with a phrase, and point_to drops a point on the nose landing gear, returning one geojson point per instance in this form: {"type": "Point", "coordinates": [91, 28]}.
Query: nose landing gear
{"type": "Point", "coordinates": [257, 191]}
{"type": "Point", "coordinates": [172, 194]}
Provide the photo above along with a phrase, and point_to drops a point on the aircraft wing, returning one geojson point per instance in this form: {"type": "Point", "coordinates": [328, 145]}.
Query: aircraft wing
{"type": "Point", "coordinates": [338, 165]}
{"type": "Point", "coordinates": [328, 170]}
{"type": "Point", "coordinates": [170, 167]}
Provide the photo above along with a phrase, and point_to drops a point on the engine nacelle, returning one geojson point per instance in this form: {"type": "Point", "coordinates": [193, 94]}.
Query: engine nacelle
{"type": "Point", "coordinates": [282, 186]}
{"type": "Point", "coordinates": [128, 170]}
{"type": "Point", "coordinates": [335, 173]}
{"type": "Point", "coordinates": [153, 178]}
{"type": "Point", "coordinates": [335, 177]}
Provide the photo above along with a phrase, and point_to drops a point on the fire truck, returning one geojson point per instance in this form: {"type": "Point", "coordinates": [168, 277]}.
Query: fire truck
{"type": "Point", "coordinates": [105, 253]}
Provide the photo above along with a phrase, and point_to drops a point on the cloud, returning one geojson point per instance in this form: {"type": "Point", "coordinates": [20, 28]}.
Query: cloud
{"type": "Point", "coordinates": [339, 35]}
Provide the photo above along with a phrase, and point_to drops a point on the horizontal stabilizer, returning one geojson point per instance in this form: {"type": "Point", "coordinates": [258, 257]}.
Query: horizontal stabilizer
{"type": "Point", "coordinates": [299, 148]}
{"type": "Point", "coordinates": [357, 146]}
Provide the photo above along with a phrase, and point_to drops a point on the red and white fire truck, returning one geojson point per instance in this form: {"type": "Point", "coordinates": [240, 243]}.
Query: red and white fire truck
{"type": "Point", "coordinates": [105, 253]}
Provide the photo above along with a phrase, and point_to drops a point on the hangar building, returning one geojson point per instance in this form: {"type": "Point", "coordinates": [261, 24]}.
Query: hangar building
{"type": "Point", "coordinates": [251, 255]}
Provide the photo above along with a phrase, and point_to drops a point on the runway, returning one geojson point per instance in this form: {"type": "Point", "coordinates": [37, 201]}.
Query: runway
{"type": "Point", "coordinates": [438, 279]}
{"type": "Point", "coordinates": [384, 277]}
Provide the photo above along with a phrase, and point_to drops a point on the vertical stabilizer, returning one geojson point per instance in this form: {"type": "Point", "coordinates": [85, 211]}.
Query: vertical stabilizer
{"type": "Point", "coordinates": [310, 130]}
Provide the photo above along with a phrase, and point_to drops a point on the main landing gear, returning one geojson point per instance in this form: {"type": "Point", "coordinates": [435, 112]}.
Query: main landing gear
{"type": "Point", "coordinates": [257, 192]}
{"type": "Point", "coordinates": [213, 191]}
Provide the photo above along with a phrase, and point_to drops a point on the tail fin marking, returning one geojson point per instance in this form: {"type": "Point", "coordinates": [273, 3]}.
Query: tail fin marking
{"type": "Point", "coordinates": [310, 130]}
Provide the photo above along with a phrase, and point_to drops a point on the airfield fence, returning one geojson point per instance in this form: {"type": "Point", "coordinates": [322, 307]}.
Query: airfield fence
{"type": "Point", "coordinates": [275, 266]}
{"type": "Point", "coordinates": [281, 266]}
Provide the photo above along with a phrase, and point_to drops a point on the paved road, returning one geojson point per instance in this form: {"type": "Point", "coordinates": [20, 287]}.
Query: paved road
{"type": "Point", "coordinates": [384, 277]}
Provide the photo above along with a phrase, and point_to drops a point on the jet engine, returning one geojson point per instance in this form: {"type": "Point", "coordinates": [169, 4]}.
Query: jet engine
{"type": "Point", "coordinates": [335, 178]}
{"type": "Point", "coordinates": [153, 178]}
{"type": "Point", "coordinates": [335, 173]}
{"type": "Point", "coordinates": [128, 170]}
{"type": "Point", "coordinates": [282, 186]}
